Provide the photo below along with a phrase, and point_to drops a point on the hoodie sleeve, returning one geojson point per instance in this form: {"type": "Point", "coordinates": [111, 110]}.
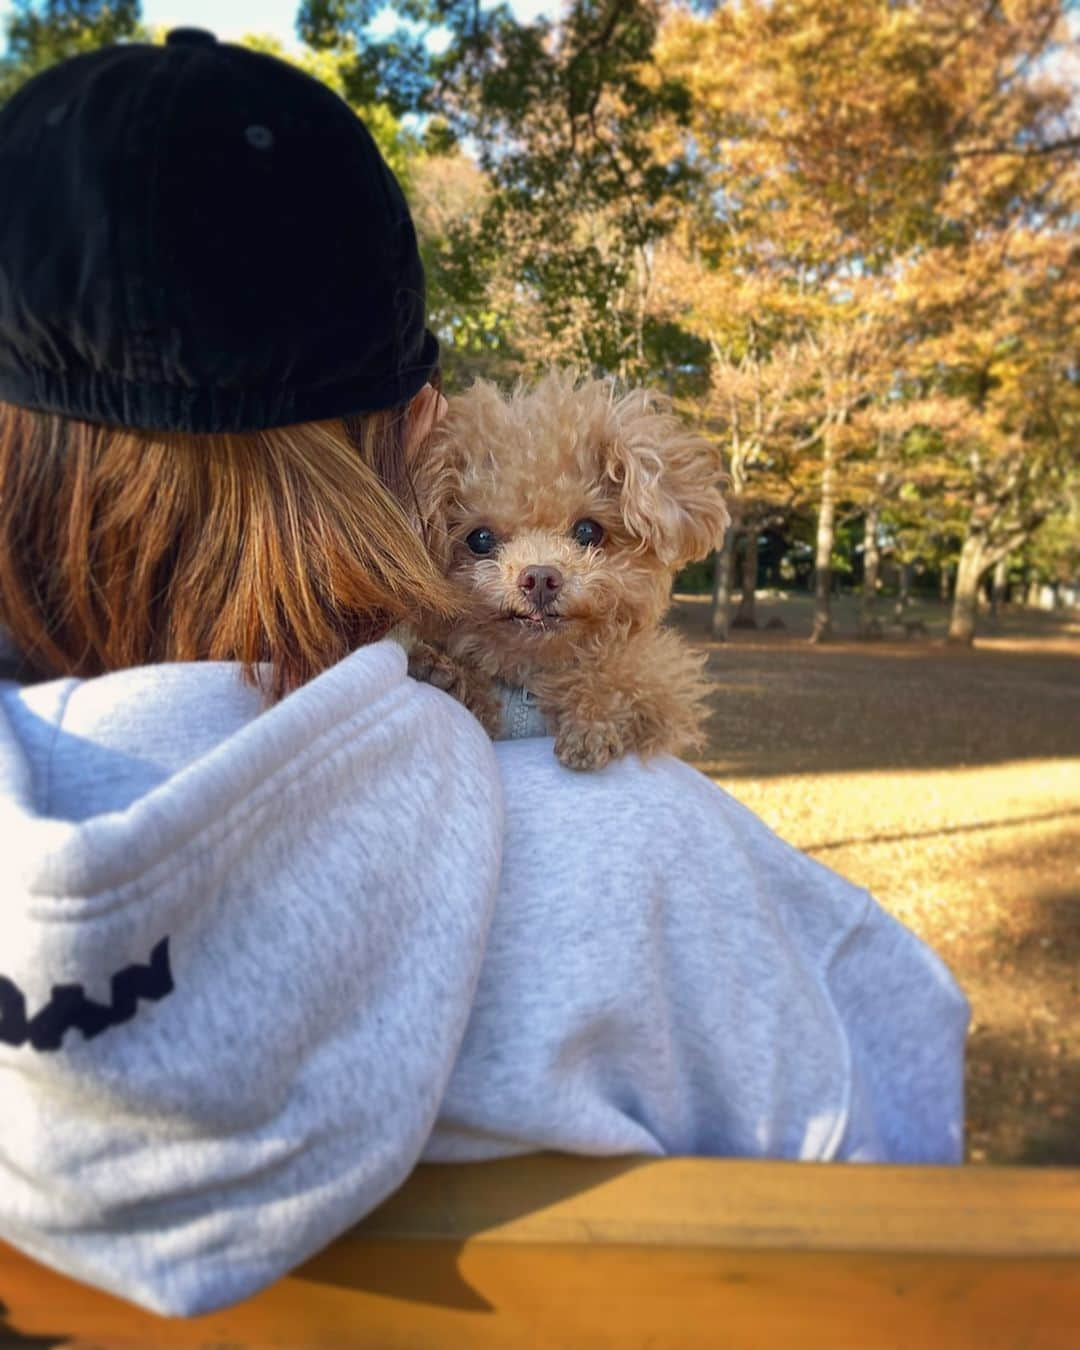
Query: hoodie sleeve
{"type": "Point", "coordinates": [666, 976]}
{"type": "Point", "coordinates": [905, 1021]}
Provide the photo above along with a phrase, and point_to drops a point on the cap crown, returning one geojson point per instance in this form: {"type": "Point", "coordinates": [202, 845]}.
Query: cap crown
{"type": "Point", "coordinates": [201, 237]}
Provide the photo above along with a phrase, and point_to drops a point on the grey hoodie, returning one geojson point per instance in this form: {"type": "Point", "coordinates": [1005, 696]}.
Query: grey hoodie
{"type": "Point", "coordinates": [255, 964]}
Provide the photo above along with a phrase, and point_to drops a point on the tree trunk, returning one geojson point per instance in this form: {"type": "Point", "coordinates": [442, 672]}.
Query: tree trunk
{"type": "Point", "coordinates": [745, 615]}
{"type": "Point", "coordinates": [903, 596]}
{"type": "Point", "coordinates": [946, 582]}
{"type": "Point", "coordinates": [999, 586]}
{"type": "Point", "coordinates": [722, 579]}
{"type": "Point", "coordinates": [966, 595]}
{"type": "Point", "coordinates": [868, 623]}
{"type": "Point", "coordinates": [823, 628]}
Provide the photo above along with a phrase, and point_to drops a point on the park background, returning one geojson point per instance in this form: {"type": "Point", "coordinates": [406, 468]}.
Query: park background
{"type": "Point", "coordinates": [842, 237]}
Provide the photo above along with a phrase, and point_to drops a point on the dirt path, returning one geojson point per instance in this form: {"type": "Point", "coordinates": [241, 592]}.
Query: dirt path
{"type": "Point", "coordinates": [949, 784]}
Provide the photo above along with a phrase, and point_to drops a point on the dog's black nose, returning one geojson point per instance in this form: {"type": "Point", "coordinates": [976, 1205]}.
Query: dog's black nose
{"type": "Point", "coordinates": [539, 584]}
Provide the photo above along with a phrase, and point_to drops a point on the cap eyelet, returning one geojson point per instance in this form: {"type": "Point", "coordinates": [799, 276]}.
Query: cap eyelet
{"type": "Point", "coordinates": [259, 138]}
{"type": "Point", "coordinates": [190, 37]}
{"type": "Point", "coordinates": [56, 115]}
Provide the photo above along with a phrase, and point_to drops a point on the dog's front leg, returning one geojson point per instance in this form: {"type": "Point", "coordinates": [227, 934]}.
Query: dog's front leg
{"type": "Point", "coordinates": [593, 719]}
{"type": "Point", "coordinates": [649, 698]}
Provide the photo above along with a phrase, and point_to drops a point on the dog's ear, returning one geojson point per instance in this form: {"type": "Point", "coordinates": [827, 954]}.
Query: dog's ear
{"type": "Point", "coordinates": [437, 471]}
{"type": "Point", "coordinates": [434, 478]}
{"type": "Point", "coordinates": [668, 479]}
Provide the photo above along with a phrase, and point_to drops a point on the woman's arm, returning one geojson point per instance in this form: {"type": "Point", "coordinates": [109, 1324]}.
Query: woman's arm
{"type": "Point", "coordinates": [665, 975]}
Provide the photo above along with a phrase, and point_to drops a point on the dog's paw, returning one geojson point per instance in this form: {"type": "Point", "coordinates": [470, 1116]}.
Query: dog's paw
{"type": "Point", "coordinates": [428, 664]}
{"type": "Point", "coordinates": [589, 747]}
{"type": "Point", "coordinates": [441, 671]}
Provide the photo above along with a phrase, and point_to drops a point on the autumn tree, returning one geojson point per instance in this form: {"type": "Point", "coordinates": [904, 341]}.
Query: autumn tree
{"type": "Point", "coordinates": [747, 402]}
{"type": "Point", "coordinates": [773, 406]}
{"type": "Point", "coordinates": [1000, 312]}
{"type": "Point", "coordinates": [843, 145]}
{"type": "Point", "coordinates": [767, 266]}
{"type": "Point", "coordinates": [776, 230]}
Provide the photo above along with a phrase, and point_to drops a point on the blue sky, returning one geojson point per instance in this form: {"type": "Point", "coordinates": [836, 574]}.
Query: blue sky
{"type": "Point", "coordinates": [233, 18]}
{"type": "Point", "coordinates": [228, 20]}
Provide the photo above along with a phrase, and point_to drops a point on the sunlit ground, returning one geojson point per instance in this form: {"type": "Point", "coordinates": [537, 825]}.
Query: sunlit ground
{"type": "Point", "coordinates": [949, 784]}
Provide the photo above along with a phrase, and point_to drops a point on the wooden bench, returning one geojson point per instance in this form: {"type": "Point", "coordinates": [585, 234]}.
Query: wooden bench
{"type": "Point", "coordinates": [565, 1252]}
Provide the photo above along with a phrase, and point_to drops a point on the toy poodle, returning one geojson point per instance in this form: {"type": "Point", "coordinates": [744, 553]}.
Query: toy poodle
{"type": "Point", "coordinates": [561, 514]}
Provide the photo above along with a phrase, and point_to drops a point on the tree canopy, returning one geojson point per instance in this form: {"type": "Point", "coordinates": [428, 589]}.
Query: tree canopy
{"type": "Point", "coordinates": [41, 32]}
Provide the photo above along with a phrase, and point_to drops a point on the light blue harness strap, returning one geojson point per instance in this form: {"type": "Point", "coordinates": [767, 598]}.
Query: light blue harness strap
{"type": "Point", "coordinates": [520, 714]}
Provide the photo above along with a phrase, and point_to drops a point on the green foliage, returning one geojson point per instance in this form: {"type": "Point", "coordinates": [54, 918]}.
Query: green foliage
{"type": "Point", "coordinates": [1053, 554]}
{"type": "Point", "coordinates": [697, 577]}
{"type": "Point", "coordinates": [563, 120]}
{"type": "Point", "coordinates": [42, 32]}
{"type": "Point", "coordinates": [849, 534]}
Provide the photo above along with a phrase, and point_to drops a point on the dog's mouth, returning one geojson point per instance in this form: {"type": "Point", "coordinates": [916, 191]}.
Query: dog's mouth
{"type": "Point", "coordinates": [534, 623]}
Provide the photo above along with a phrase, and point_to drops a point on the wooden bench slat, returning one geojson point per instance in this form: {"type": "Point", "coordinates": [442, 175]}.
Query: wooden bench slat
{"type": "Point", "coordinates": [680, 1254]}
{"type": "Point", "coordinates": [734, 1202]}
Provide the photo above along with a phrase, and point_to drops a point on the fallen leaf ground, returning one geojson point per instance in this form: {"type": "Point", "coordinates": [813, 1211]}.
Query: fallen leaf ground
{"type": "Point", "coordinates": [948, 783]}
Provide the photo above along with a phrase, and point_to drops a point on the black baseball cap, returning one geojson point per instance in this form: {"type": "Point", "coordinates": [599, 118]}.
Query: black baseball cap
{"type": "Point", "coordinates": [200, 237]}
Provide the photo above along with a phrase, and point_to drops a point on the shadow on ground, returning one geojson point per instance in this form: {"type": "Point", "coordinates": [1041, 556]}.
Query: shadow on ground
{"type": "Point", "coordinates": [784, 706]}
{"type": "Point", "coordinates": [1023, 1102]}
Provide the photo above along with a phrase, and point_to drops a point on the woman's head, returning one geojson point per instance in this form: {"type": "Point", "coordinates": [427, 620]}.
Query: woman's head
{"type": "Point", "coordinates": [211, 338]}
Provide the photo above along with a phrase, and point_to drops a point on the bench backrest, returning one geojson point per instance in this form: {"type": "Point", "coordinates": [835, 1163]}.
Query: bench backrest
{"type": "Point", "coordinates": [562, 1252]}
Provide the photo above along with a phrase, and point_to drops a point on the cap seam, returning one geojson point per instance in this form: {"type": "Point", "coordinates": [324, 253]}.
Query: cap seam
{"type": "Point", "coordinates": [154, 194]}
{"type": "Point", "coordinates": [145, 352]}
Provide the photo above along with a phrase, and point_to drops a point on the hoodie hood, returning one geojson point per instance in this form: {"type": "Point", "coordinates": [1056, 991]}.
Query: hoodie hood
{"type": "Point", "coordinates": [257, 929]}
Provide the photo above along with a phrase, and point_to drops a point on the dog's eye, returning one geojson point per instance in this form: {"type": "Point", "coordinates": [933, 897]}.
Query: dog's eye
{"type": "Point", "coordinates": [482, 541]}
{"type": "Point", "coordinates": [587, 532]}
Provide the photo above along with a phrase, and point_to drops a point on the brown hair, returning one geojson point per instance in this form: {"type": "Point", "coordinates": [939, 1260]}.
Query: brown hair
{"type": "Point", "coordinates": [290, 546]}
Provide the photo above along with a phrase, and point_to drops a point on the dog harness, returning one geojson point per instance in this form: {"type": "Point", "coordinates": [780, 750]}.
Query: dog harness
{"type": "Point", "coordinates": [521, 716]}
